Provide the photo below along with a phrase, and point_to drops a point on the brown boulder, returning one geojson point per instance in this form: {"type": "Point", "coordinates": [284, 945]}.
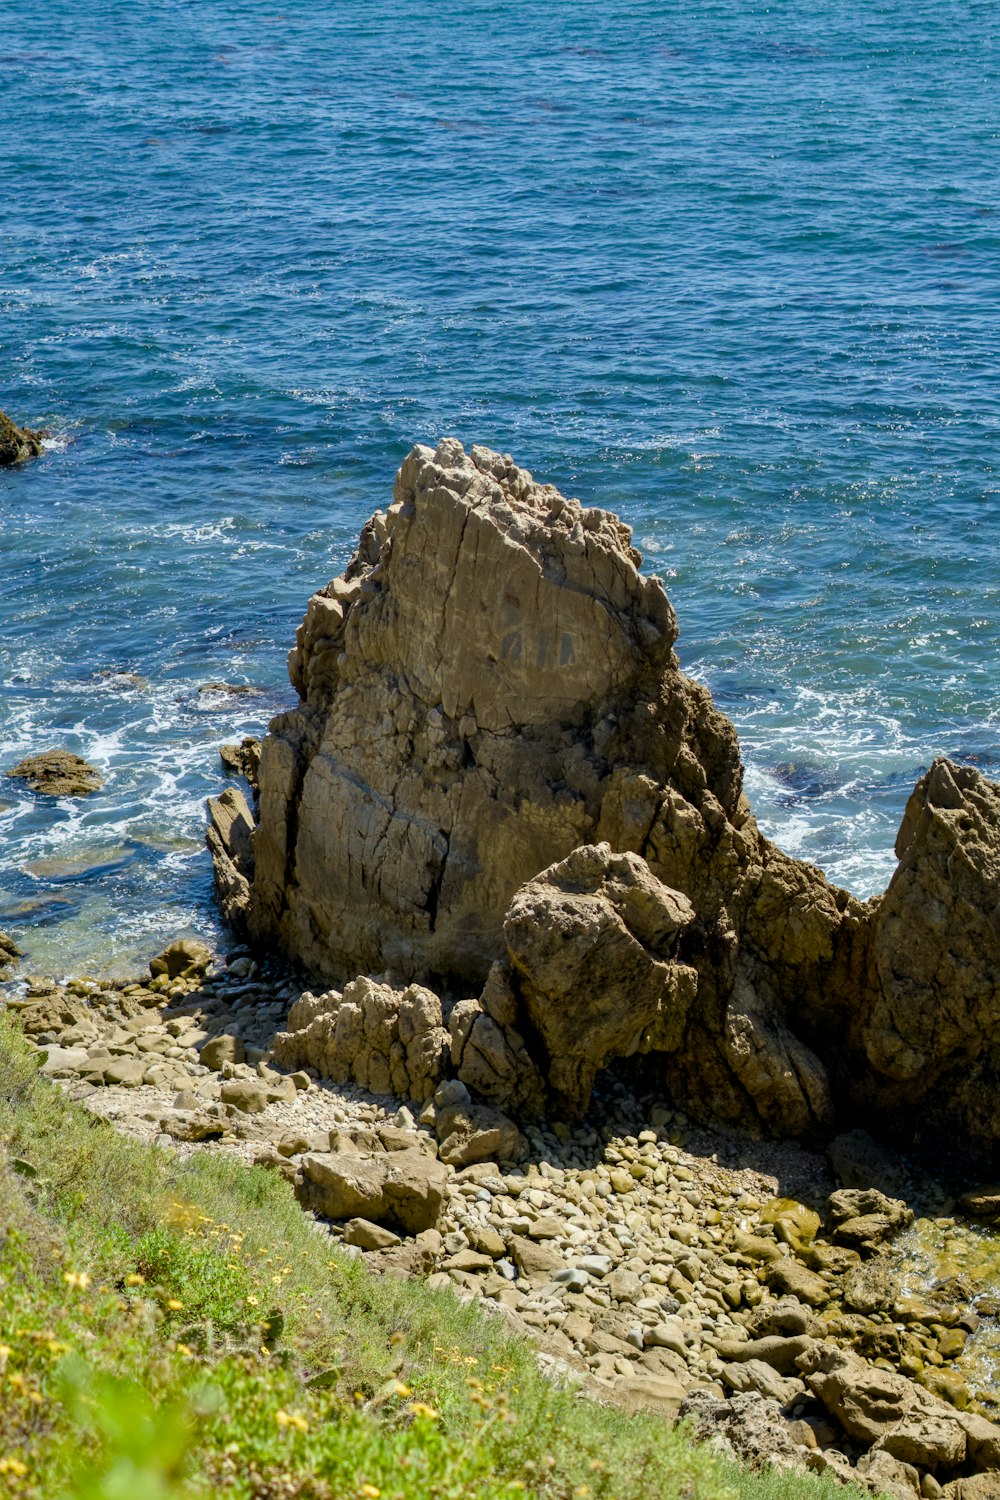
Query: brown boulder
{"type": "Point", "coordinates": [471, 1132]}
{"type": "Point", "coordinates": [186, 958]}
{"type": "Point", "coordinates": [591, 944]}
{"type": "Point", "coordinates": [929, 1029]}
{"type": "Point", "coordinates": [58, 773]}
{"type": "Point", "coordinates": [401, 1189]}
{"type": "Point", "coordinates": [863, 1219]}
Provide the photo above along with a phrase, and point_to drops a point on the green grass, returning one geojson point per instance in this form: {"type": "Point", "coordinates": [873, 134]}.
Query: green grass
{"type": "Point", "coordinates": [177, 1329]}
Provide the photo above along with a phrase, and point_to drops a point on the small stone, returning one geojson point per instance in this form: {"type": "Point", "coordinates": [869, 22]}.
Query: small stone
{"type": "Point", "coordinates": [790, 1276]}
{"type": "Point", "coordinates": [573, 1278]}
{"type": "Point", "coordinates": [623, 1285]}
{"type": "Point", "coordinates": [487, 1241]}
{"type": "Point", "coordinates": [452, 1091]}
{"type": "Point", "coordinates": [596, 1265]}
{"type": "Point", "coordinates": [468, 1260]}
{"type": "Point", "coordinates": [533, 1259]}
{"type": "Point", "coordinates": [670, 1334]}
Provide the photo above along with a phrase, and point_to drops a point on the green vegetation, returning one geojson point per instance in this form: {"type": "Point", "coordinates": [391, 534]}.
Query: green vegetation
{"type": "Point", "coordinates": [178, 1329]}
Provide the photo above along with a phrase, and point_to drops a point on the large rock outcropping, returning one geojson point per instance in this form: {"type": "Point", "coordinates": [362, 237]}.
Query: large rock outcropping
{"type": "Point", "coordinates": [499, 783]}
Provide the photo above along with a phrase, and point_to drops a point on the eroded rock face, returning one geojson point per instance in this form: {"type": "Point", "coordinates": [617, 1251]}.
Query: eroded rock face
{"type": "Point", "coordinates": [489, 692]}
{"type": "Point", "coordinates": [230, 840]}
{"type": "Point", "coordinates": [931, 1029]}
{"type": "Point", "coordinates": [460, 690]}
{"type": "Point", "coordinates": [387, 1040]}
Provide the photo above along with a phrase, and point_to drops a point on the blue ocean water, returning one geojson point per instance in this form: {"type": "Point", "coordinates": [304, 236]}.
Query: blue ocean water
{"type": "Point", "coordinates": [728, 268]}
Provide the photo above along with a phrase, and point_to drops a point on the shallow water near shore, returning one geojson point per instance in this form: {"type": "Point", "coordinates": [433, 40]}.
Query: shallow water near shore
{"type": "Point", "coordinates": [728, 271]}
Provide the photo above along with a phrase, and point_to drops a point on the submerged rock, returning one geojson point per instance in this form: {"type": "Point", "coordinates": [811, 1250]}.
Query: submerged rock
{"type": "Point", "coordinates": [58, 773]}
{"type": "Point", "coordinates": [498, 783]}
{"type": "Point", "coordinates": [17, 443]}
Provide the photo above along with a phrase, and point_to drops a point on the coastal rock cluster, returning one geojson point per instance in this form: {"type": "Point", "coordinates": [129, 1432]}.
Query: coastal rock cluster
{"type": "Point", "coordinates": [498, 786]}
{"type": "Point", "coordinates": [645, 1260]}
{"type": "Point", "coordinates": [17, 443]}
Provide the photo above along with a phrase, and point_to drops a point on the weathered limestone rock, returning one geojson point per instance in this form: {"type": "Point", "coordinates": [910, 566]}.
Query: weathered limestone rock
{"type": "Point", "coordinates": [230, 840]}
{"type": "Point", "coordinates": [387, 1040]}
{"type": "Point", "coordinates": [748, 1423]}
{"type": "Point", "coordinates": [863, 1218]}
{"type": "Point", "coordinates": [17, 443]}
{"type": "Point", "coordinates": [470, 1132]}
{"type": "Point", "coordinates": [401, 1189]}
{"type": "Point", "coordinates": [878, 1406]}
{"type": "Point", "coordinates": [930, 1031]}
{"type": "Point", "coordinates": [491, 685]}
{"type": "Point", "coordinates": [591, 944]}
{"type": "Point", "coordinates": [58, 773]}
{"type": "Point", "coordinates": [243, 760]}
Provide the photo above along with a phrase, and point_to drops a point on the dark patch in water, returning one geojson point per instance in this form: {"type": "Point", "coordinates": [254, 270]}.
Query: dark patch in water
{"type": "Point", "coordinates": [42, 912]}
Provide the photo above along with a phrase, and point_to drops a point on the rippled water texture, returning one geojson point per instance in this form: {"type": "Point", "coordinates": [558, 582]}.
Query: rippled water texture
{"type": "Point", "coordinates": [728, 269]}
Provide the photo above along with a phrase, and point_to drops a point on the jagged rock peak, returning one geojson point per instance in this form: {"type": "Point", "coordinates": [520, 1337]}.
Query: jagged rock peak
{"type": "Point", "coordinates": [479, 691]}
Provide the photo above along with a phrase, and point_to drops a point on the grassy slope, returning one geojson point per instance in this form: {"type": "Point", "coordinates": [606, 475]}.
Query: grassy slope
{"type": "Point", "coordinates": [178, 1328]}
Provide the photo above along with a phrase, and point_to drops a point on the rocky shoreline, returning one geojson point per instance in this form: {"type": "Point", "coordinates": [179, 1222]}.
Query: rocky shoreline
{"type": "Point", "coordinates": [581, 1043]}
{"type": "Point", "coordinates": [659, 1264]}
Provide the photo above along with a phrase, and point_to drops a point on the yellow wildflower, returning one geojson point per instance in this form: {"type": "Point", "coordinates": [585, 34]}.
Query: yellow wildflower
{"type": "Point", "coordinates": [291, 1419]}
{"type": "Point", "coordinates": [13, 1466]}
{"type": "Point", "coordinates": [174, 1304]}
{"type": "Point", "coordinates": [421, 1409]}
{"type": "Point", "coordinates": [370, 1491]}
{"type": "Point", "coordinates": [77, 1280]}
{"type": "Point", "coordinates": [136, 1279]}
{"type": "Point", "coordinates": [399, 1389]}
